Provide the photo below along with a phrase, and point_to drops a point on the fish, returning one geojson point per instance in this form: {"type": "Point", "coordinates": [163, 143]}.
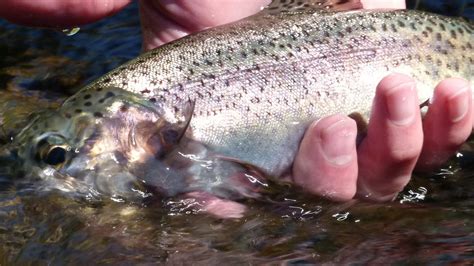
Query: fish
{"type": "Point", "coordinates": [223, 111]}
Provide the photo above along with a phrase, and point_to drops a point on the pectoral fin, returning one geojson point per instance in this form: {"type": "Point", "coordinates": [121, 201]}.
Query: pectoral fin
{"type": "Point", "coordinates": [163, 136]}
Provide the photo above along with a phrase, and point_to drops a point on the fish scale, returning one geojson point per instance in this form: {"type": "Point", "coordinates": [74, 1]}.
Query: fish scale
{"type": "Point", "coordinates": [258, 83]}
{"type": "Point", "coordinates": [249, 90]}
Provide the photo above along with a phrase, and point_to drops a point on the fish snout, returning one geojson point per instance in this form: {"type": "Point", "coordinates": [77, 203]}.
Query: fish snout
{"type": "Point", "coordinates": [9, 160]}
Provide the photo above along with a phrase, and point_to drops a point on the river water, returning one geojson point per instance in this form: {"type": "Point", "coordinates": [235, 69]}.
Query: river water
{"type": "Point", "coordinates": [431, 222]}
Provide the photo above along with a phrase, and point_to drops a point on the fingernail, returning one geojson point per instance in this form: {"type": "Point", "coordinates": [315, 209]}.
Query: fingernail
{"type": "Point", "coordinates": [458, 105]}
{"type": "Point", "coordinates": [400, 104]}
{"type": "Point", "coordinates": [338, 142]}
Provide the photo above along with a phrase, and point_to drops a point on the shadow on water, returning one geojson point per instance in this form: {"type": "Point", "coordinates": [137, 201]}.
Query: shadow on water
{"type": "Point", "coordinates": [430, 222]}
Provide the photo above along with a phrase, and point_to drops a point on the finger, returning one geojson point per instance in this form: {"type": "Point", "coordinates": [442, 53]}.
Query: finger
{"type": "Point", "coordinates": [394, 140]}
{"type": "Point", "coordinates": [164, 21]}
{"type": "Point", "coordinates": [58, 13]}
{"type": "Point", "coordinates": [373, 4]}
{"type": "Point", "coordinates": [447, 124]}
{"type": "Point", "coordinates": [326, 163]}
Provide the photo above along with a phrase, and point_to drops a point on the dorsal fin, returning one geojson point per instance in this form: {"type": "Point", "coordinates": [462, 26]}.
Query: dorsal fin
{"type": "Point", "coordinates": [281, 6]}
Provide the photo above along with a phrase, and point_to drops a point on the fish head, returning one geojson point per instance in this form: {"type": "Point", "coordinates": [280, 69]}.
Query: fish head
{"type": "Point", "coordinates": [94, 143]}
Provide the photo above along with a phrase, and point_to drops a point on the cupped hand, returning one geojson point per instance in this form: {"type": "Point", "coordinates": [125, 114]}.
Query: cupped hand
{"type": "Point", "coordinates": [397, 141]}
{"type": "Point", "coordinates": [328, 162]}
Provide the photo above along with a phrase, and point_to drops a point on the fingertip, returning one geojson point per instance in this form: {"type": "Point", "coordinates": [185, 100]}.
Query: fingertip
{"type": "Point", "coordinates": [453, 83]}
{"type": "Point", "coordinates": [448, 122]}
{"type": "Point", "coordinates": [326, 164]}
{"type": "Point", "coordinates": [394, 80]}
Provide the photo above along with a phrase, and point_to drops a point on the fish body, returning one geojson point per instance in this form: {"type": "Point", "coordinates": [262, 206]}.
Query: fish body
{"type": "Point", "coordinates": [249, 90]}
{"type": "Point", "coordinates": [258, 83]}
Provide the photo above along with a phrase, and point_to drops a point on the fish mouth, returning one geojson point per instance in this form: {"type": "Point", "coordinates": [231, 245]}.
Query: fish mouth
{"type": "Point", "coordinates": [9, 160]}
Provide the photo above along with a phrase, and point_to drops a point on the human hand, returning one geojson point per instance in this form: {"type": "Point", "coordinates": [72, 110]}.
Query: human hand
{"type": "Point", "coordinates": [330, 165]}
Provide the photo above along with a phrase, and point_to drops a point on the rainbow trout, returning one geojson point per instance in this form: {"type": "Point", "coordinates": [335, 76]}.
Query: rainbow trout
{"type": "Point", "coordinates": [211, 110]}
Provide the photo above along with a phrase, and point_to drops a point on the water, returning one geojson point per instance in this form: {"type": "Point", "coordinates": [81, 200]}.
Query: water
{"type": "Point", "coordinates": [430, 222]}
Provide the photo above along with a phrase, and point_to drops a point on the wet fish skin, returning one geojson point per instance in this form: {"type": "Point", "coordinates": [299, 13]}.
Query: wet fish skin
{"type": "Point", "coordinates": [258, 83]}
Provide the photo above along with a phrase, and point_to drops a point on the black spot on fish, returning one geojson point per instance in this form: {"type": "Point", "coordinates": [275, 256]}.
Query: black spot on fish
{"type": "Point", "coordinates": [153, 100]}
{"type": "Point", "coordinates": [99, 89]}
{"type": "Point", "coordinates": [384, 27]}
{"type": "Point", "coordinates": [442, 26]}
{"type": "Point", "coordinates": [394, 28]}
{"type": "Point", "coordinates": [438, 36]}
{"type": "Point", "coordinates": [145, 91]}
{"type": "Point", "coordinates": [98, 114]}
{"type": "Point", "coordinates": [432, 21]}
{"type": "Point", "coordinates": [453, 34]}
{"type": "Point", "coordinates": [78, 111]}
{"type": "Point", "coordinates": [401, 24]}
{"type": "Point", "coordinates": [123, 108]}
{"type": "Point", "coordinates": [67, 115]}
{"type": "Point", "coordinates": [88, 104]}
{"type": "Point", "coordinates": [107, 80]}
{"type": "Point", "coordinates": [87, 96]}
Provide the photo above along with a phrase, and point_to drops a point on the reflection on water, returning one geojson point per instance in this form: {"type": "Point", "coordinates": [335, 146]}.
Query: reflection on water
{"type": "Point", "coordinates": [431, 221]}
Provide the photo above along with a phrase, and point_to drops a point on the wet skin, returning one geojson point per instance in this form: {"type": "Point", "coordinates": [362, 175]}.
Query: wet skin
{"type": "Point", "coordinates": [377, 169]}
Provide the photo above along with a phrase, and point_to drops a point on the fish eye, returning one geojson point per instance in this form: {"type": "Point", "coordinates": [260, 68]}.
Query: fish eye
{"type": "Point", "coordinates": [55, 156]}
{"type": "Point", "coordinates": [52, 150]}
